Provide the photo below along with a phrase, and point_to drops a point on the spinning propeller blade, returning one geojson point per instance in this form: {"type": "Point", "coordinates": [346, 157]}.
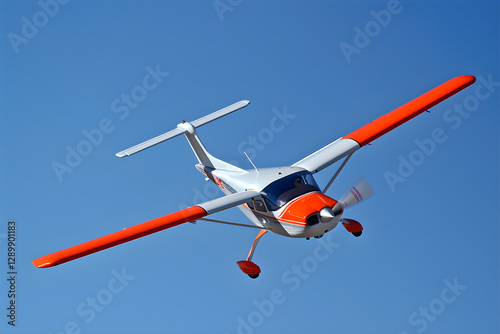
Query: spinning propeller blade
{"type": "Point", "coordinates": [360, 191]}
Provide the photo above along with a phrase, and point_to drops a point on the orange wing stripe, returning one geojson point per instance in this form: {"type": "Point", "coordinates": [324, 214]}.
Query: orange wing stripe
{"type": "Point", "coordinates": [395, 118]}
{"type": "Point", "coordinates": [127, 234]}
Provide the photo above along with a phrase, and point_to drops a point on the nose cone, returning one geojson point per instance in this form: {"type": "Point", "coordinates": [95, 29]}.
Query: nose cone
{"type": "Point", "coordinates": [298, 210]}
{"type": "Point", "coordinates": [326, 215]}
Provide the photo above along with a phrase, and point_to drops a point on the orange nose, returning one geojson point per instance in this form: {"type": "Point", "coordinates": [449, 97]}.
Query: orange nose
{"type": "Point", "coordinates": [299, 209]}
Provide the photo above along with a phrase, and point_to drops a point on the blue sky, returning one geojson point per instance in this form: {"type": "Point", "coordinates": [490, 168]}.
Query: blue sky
{"type": "Point", "coordinates": [428, 260]}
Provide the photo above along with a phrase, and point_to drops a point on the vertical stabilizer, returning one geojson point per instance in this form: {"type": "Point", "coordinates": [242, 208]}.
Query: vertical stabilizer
{"type": "Point", "coordinates": [201, 152]}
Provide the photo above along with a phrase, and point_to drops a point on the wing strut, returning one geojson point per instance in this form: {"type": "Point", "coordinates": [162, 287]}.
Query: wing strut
{"type": "Point", "coordinates": [228, 223]}
{"type": "Point", "coordinates": [337, 172]}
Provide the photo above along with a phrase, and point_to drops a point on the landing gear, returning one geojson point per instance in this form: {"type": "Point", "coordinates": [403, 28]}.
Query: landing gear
{"type": "Point", "coordinates": [352, 226]}
{"type": "Point", "coordinates": [247, 266]}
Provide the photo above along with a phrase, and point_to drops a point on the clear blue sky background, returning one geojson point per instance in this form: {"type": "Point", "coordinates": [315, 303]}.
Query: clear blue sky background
{"type": "Point", "coordinates": [439, 225]}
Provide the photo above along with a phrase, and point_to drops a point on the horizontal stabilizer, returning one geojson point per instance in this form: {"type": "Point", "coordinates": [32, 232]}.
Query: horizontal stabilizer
{"type": "Point", "coordinates": [219, 113]}
{"type": "Point", "coordinates": [152, 142]}
{"type": "Point", "coordinates": [178, 131]}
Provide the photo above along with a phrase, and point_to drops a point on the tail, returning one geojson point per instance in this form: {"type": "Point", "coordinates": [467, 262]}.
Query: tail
{"type": "Point", "coordinates": [189, 130]}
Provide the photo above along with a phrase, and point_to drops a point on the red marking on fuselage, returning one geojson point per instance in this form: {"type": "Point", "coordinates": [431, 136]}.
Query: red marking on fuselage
{"type": "Point", "coordinates": [302, 207]}
{"type": "Point", "coordinates": [218, 181]}
{"type": "Point", "coordinates": [297, 210]}
{"type": "Point", "coordinates": [279, 220]}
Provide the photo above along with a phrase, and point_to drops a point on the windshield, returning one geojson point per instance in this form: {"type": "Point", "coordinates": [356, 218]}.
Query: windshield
{"type": "Point", "coordinates": [285, 189]}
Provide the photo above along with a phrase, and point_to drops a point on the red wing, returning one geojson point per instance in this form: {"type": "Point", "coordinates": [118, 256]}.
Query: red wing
{"type": "Point", "coordinates": [137, 231]}
{"type": "Point", "coordinates": [346, 145]}
{"type": "Point", "coordinates": [127, 234]}
{"type": "Point", "coordinates": [395, 118]}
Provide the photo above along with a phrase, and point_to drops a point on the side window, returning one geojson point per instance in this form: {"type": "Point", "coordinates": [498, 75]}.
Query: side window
{"type": "Point", "coordinates": [310, 180]}
{"type": "Point", "coordinates": [259, 205]}
{"type": "Point", "coordinates": [250, 205]}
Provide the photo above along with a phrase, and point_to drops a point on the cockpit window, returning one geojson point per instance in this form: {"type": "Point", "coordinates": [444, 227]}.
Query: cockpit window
{"type": "Point", "coordinates": [259, 205]}
{"type": "Point", "coordinates": [285, 189]}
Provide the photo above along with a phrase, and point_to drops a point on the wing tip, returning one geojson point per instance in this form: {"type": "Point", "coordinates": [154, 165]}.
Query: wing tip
{"type": "Point", "coordinates": [469, 77]}
{"type": "Point", "coordinates": [121, 154]}
{"type": "Point", "coordinates": [466, 80]}
{"type": "Point", "coordinates": [387, 122]}
{"type": "Point", "coordinates": [43, 262]}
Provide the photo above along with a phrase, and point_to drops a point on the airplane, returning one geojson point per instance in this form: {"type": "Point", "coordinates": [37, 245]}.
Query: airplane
{"type": "Point", "coordinates": [283, 200]}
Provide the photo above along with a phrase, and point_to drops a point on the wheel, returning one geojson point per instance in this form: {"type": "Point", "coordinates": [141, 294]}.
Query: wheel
{"type": "Point", "coordinates": [253, 276]}
{"type": "Point", "coordinates": [357, 234]}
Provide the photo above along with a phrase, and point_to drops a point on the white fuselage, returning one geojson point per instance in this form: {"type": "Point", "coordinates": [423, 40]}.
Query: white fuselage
{"type": "Point", "coordinates": [293, 188]}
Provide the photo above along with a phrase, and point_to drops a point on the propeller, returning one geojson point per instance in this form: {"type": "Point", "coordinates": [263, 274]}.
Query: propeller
{"type": "Point", "coordinates": [360, 191]}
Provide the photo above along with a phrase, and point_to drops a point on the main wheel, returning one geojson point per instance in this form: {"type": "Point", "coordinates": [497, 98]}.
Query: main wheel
{"type": "Point", "coordinates": [253, 276]}
{"type": "Point", "coordinates": [357, 234]}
